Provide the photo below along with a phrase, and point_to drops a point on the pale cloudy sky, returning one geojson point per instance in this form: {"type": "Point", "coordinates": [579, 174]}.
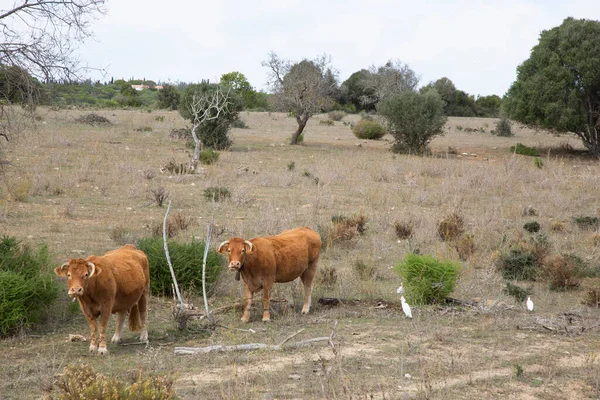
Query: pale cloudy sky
{"type": "Point", "coordinates": [476, 43]}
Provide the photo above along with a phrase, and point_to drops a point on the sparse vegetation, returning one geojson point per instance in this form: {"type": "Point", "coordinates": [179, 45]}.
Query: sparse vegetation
{"type": "Point", "coordinates": [327, 122]}
{"type": "Point", "coordinates": [503, 127]}
{"type": "Point", "coordinates": [158, 195]}
{"type": "Point", "coordinates": [586, 222]}
{"type": "Point", "coordinates": [532, 226]}
{"type": "Point", "coordinates": [517, 292]}
{"type": "Point", "coordinates": [93, 119]}
{"type": "Point", "coordinates": [363, 270]}
{"type": "Point", "coordinates": [215, 193]}
{"type": "Point", "coordinates": [336, 115]}
{"type": "Point", "coordinates": [404, 229]}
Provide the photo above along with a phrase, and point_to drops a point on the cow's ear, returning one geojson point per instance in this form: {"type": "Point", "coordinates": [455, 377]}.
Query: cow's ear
{"type": "Point", "coordinates": [222, 248]}
{"type": "Point", "coordinates": [62, 270]}
{"type": "Point", "coordinates": [93, 269]}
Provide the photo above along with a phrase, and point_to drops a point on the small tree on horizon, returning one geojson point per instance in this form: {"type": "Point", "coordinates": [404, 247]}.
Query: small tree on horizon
{"type": "Point", "coordinates": [558, 86]}
{"type": "Point", "coordinates": [169, 97]}
{"type": "Point", "coordinates": [302, 89]}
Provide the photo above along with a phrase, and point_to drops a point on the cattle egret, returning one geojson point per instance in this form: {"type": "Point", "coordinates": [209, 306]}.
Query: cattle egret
{"type": "Point", "coordinates": [529, 304]}
{"type": "Point", "coordinates": [400, 290]}
{"type": "Point", "coordinates": [405, 307]}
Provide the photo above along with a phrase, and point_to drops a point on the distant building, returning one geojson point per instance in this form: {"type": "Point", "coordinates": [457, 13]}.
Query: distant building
{"type": "Point", "coordinates": [142, 87]}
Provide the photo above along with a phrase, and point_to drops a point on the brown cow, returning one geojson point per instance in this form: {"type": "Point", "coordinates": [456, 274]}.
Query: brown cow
{"type": "Point", "coordinates": [117, 282]}
{"type": "Point", "coordinates": [262, 261]}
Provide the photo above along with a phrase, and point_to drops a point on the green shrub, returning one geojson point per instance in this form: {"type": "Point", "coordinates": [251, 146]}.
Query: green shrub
{"type": "Point", "coordinates": [503, 128]}
{"type": "Point", "coordinates": [216, 193]}
{"type": "Point", "coordinates": [291, 166]}
{"type": "Point", "coordinates": [538, 162]}
{"type": "Point", "coordinates": [208, 156]}
{"type": "Point", "coordinates": [517, 292]}
{"type": "Point", "coordinates": [81, 381]}
{"type": "Point", "coordinates": [370, 130]}
{"type": "Point", "coordinates": [519, 264]}
{"type": "Point", "coordinates": [187, 263]}
{"type": "Point", "coordinates": [238, 123]}
{"type": "Point", "coordinates": [524, 150]}
{"type": "Point", "coordinates": [27, 285]}
{"type": "Point", "coordinates": [327, 122]}
{"type": "Point", "coordinates": [336, 115]}
{"type": "Point", "coordinates": [586, 222]}
{"type": "Point", "coordinates": [427, 280]}
{"type": "Point", "coordinates": [532, 226]}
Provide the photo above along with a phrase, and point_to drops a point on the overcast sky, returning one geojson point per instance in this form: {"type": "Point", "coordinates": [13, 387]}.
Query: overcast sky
{"type": "Point", "coordinates": [476, 43]}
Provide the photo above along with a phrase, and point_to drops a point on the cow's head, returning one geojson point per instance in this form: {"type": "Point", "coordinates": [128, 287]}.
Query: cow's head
{"type": "Point", "coordinates": [236, 249]}
{"type": "Point", "coordinates": [77, 272]}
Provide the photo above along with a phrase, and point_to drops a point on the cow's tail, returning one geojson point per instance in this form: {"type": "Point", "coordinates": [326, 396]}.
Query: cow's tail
{"type": "Point", "coordinates": [135, 321]}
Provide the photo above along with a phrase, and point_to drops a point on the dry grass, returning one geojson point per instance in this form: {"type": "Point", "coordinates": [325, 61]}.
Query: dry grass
{"type": "Point", "coordinates": [88, 181]}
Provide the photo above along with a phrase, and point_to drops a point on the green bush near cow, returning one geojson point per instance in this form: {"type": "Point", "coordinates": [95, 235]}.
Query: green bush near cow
{"type": "Point", "coordinates": [427, 280]}
{"type": "Point", "coordinates": [187, 264]}
{"type": "Point", "coordinates": [27, 285]}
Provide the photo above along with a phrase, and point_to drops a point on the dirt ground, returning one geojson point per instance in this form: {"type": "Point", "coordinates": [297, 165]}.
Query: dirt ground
{"type": "Point", "coordinates": [73, 186]}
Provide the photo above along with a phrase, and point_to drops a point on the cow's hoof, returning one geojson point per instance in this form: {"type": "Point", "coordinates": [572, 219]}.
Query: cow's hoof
{"type": "Point", "coordinates": [115, 339]}
{"type": "Point", "coordinates": [144, 337]}
{"type": "Point", "coordinates": [245, 320]}
{"type": "Point", "coordinates": [93, 348]}
{"type": "Point", "coordinates": [304, 311]}
{"type": "Point", "coordinates": [102, 351]}
{"type": "Point", "coordinates": [266, 319]}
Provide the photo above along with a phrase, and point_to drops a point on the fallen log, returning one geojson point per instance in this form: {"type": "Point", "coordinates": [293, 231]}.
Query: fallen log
{"type": "Point", "coordinates": [244, 347]}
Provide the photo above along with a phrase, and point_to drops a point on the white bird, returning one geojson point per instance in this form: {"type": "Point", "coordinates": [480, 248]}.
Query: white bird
{"type": "Point", "coordinates": [400, 290]}
{"type": "Point", "coordinates": [405, 307]}
{"type": "Point", "coordinates": [529, 304]}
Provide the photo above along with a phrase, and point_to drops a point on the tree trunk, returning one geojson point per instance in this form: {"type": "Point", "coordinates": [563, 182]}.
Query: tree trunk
{"type": "Point", "coordinates": [197, 149]}
{"type": "Point", "coordinates": [302, 120]}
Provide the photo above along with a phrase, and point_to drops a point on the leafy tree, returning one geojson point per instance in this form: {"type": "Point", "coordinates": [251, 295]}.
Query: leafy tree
{"type": "Point", "coordinates": [169, 97]}
{"type": "Point", "coordinates": [387, 80]}
{"type": "Point", "coordinates": [128, 96]}
{"type": "Point", "coordinates": [488, 106]}
{"type": "Point", "coordinates": [413, 119]}
{"type": "Point", "coordinates": [211, 109]}
{"type": "Point", "coordinates": [558, 86]}
{"type": "Point", "coordinates": [300, 88]}
{"type": "Point", "coordinates": [17, 86]}
{"type": "Point", "coordinates": [457, 102]}
{"type": "Point", "coordinates": [238, 82]}
{"type": "Point", "coordinates": [354, 89]}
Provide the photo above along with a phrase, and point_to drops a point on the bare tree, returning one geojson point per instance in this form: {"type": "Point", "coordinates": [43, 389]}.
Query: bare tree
{"type": "Point", "coordinates": [38, 42]}
{"type": "Point", "coordinates": [391, 78]}
{"type": "Point", "coordinates": [303, 88]}
{"type": "Point", "coordinates": [206, 106]}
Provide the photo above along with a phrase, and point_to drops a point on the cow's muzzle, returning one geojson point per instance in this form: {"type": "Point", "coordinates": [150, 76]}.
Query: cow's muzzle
{"type": "Point", "coordinates": [235, 265]}
{"type": "Point", "coordinates": [75, 292]}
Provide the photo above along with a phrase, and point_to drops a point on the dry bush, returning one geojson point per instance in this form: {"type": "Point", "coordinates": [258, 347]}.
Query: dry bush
{"type": "Point", "coordinates": [176, 168]}
{"type": "Point", "coordinates": [561, 272]}
{"type": "Point", "coordinates": [346, 228]}
{"type": "Point", "coordinates": [158, 195]}
{"type": "Point", "coordinates": [591, 298]}
{"type": "Point", "coordinates": [522, 260]}
{"type": "Point", "coordinates": [148, 174]}
{"type": "Point", "coordinates": [328, 276]}
{"type": "Point", "coordinates": [596, 239]}
{"type": "Point", "coordinates": [176, 223]}
{"type": "Point", "coordinates": [122, 236]}
{"type": "Point", "coordinates": [465, 246]}
{"type": "Point", "coordinates": [336, 115]}
{"type": "Point", "coordinates": [557, 226]}
{"type": "Point", "coordinates": [327, 122]}
{"type": "Point", "coordinates": [404, 229]}
{"type": "Point", "coordinates": [451, 227]}
{"type": "Point", "coordinates": [181, 133]}
{"type": "Point", "coordinates": [363, 270]}
{"type": "Point", "coordinates": [93, 119]}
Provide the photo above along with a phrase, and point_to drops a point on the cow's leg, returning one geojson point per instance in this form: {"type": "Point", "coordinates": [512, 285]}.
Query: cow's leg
{"type": "Point", "coordinates": [93, 329]}
{"type": "Point", "coordinates": [248, 295]}
{"type": "Point", "coordinates": [143, 308]}
{"type": "Point", "coordinates": [307, 279]}
{"type": "Point", "coordinates": [266, 300]}
{"type": "Point", "coordinates": [119, 330]}
{"type": "Point", "coordinates": [104, 317]}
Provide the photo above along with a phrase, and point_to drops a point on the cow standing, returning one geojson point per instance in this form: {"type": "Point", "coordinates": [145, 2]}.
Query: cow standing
{"type": "Point", "coordinates": [117, 282]}
{"type": "Point", "coordinates": [262, 261]}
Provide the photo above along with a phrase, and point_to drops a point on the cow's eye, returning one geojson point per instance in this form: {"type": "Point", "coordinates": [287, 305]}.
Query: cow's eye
{"type": "Point", "coordinates": [229, 250]}
{"type": "Point", "coordinates": [85, 276]}
{"type": "Point", "coordinates": [243, 250]}
{"type": "Point", "coordinates": [68, 275]}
